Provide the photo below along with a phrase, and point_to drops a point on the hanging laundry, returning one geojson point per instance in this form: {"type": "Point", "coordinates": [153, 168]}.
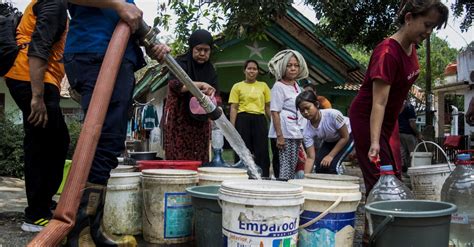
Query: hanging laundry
{"type": "Point", "coordinates": [149, 117]}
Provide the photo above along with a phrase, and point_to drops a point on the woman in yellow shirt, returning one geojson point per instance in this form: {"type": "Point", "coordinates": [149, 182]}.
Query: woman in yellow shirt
{"type": "Point", "coordinates": [249, 103]}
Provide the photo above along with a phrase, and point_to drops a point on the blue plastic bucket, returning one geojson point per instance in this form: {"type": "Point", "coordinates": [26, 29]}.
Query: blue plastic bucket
{"type": "Point", "coordinates": [329, 215]}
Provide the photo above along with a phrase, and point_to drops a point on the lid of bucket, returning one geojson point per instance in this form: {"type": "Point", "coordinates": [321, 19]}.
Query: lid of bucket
{"type": "Point", "coordinates": [411, 208]}
{"type": "Point", "coordinates": [169, 172]}
{"type": "Point", "coordinates": [431, 169]}
{"type": "Point", "coordinates": [261, 188]}
{"type": "Point", "coordinates": [222, 177]}
{"type": "Point", "coordinates": [331, 197]}
{"type": "Point", "coordinates": [326, 190]}
{"type": "Point", "coordinates": [261, 192]}
{"type": "Point", "coordinates": [222, 170]}
{"type": "Point", "coordinates": [124, 167]}
{"type": "Point", "coordinates": [423, 154]}
{"type": "Point", "coordinates": [125, 174]}
{"type": "Point", "coordinates": [205, 192]}
{"type": "Point", "coordinates": [122, 178]}
{"type": "Point", "coordinates": [313, 185]}
{"type": "Point", "coordinates": [332, 177]}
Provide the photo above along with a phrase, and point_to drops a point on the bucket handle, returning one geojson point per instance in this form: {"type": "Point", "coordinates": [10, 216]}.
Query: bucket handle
{"type": "Point", "coordinates": [436, 145]}
{"type": "Point", "coordinates": [379, 229]}
{"type": "Point", "coordinates": [320, 216]}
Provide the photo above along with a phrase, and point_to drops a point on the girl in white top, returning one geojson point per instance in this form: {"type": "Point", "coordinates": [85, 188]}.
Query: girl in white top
{"type": "Point", "coordinates": [286, 123]}
{"type": "Point", "coordinates": [329, 126]}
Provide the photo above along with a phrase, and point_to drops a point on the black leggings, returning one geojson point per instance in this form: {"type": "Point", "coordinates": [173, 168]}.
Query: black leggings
{"type": "Point", "coordinates": [253, 130]}
{"type": "Point", "coordinates": [325, 149]}
{"type": "Point", "coordinates": [45, 148]}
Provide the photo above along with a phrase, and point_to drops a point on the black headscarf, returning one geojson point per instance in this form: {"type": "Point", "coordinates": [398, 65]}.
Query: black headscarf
{"type": "Point", "coordinates": [198, 72]}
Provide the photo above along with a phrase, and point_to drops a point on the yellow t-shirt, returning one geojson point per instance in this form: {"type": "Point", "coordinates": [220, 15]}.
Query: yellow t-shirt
{"type": "Point", "coordinates": [251, 97]}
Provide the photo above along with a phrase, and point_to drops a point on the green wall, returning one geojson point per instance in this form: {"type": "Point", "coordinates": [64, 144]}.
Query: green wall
{"type": "Point", "coordinates": [229, 59]}
{"type": "Point", "coordinates": [9, 102]}
{"type": "Point", "coordinates": [10, 105]}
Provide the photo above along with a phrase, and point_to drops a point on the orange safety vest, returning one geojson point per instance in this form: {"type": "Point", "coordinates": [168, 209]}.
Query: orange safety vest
{"type": "Point", "coordinates": [21, 69]}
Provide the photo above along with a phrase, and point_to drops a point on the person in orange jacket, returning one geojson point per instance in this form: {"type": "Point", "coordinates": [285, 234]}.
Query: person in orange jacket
{"type": "Point", "coordinates": [34, 82]}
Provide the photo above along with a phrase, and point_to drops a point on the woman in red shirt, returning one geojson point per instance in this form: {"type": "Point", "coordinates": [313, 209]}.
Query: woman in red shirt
{"type": "Point", "coordinates": [393, 68]}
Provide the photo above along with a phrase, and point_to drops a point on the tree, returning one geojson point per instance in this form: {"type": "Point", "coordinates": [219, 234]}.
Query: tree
{"type": "Point", "coordinates": [441, 56]}
{"type": "Point", "coordinates": [244, 18]}
{"type": "Point", "coordinates": [361, 22]}
{"type": "Point", "coordinates": [359, 53]}
{"type": "Point", "coordinates": [364, 22]}
{"type": "Point", "coordinates": [464, 7]}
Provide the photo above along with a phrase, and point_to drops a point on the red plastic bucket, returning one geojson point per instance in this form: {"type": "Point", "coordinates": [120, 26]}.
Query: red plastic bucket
{"type": "Point", "coordinates": [168, 164]}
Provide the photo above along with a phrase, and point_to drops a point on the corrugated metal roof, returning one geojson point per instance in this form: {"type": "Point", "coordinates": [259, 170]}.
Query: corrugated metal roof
{"type": "Point", "coordinates": [313, 60]}
{"type": "Point", "coordinates": [309, 26]}
{"type": "Point", "coordinates": [153, 79]}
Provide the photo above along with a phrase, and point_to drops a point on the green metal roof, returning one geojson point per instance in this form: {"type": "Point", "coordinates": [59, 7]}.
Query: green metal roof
{"type": "Point", "coordinates": [309, 26]}
{"type": "Point", "coordinates": [309, 56]}
{"type": "Point", "coordinates": [152, 80]}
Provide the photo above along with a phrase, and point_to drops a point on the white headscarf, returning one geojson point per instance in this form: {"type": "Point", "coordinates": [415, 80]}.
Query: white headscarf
{"type": "Point", "coordinates": [277, 64]}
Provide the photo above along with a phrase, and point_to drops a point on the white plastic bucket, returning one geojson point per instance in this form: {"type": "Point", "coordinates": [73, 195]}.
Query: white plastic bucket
{"type": "Point", "coordinates": [123, 168]}
{"type": "Point", "coordinates": [427, 181]}
{"type": "Point", "coordinates": [215, 175]}
{"type": "Point", "coordinates": [260, 212]}
{"type": "Point", "coordinates": [333, 177]}
{"type": "Point", "coordinates": [123, 204]}
{"type": "Point", "coordinates": [167, 208]}
{"type": "Point", "coordinates": [424, 158]}
{"type": "Point", "coordinates": [329, 212]}
{"type": "Point", "coordinates": [421, 158]}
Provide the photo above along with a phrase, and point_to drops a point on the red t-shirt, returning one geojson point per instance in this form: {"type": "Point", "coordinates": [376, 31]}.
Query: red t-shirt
{"type": "Point", "coordinates": [390, 63]}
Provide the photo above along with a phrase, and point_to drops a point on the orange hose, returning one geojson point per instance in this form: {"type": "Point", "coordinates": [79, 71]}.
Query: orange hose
{"type": "Point", "coordinates": [65, 214]}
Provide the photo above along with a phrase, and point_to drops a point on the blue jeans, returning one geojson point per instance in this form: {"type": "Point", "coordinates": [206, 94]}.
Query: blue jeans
{"type": "Point", "coordinates": [325, 149]}
{"type": "Point", "coordinates": [82, 70]}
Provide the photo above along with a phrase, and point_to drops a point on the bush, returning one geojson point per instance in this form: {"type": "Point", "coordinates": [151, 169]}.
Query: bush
{"type": "Point", "coordinates": [11, 146]}
{"type": "Point", "coordinates": [74, 127]}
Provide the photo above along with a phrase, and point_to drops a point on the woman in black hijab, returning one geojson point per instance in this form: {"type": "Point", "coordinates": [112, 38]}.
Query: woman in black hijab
{"type": "Point", "coordinates": [187, 136]}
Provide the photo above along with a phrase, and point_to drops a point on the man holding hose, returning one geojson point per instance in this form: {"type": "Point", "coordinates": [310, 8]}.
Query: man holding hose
{"type": "Point", "coordinates": [90, 30]}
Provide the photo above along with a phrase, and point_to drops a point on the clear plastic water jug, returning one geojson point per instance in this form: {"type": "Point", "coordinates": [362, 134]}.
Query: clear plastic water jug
{"type": "Point", "coordinates": [389, 187]}
{"type": "Point", "coordinates": [459, 189]}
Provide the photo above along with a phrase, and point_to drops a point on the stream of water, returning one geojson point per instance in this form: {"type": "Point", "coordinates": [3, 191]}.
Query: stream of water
{"type": "Point", "coordinates": [236, 142]}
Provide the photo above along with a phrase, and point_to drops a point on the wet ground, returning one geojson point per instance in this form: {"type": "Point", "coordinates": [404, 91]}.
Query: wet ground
{"type": "Point", "coordinates": [12, 202]}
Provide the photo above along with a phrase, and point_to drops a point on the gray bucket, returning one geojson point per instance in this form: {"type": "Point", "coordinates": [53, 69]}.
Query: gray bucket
{"type": "Point", "coordinates": [409, 223]}
{"type": "Point", "coordinates": [207, 215]}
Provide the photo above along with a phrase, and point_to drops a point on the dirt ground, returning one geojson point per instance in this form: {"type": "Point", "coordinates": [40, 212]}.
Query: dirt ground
{"type": "Point", "coordinates": [12, 235]}
{"type": "Point", "coordinates": [12, 202]}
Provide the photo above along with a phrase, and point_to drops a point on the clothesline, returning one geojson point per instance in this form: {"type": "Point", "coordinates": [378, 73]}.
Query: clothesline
{"type": "Point", "coordinates": [144, 119]}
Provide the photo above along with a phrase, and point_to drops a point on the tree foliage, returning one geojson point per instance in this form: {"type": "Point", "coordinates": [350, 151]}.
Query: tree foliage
{"type": "Point", "coordinates": [244, 18]}
{"type": "Point", "coordinates": [11, 146]}
{"type": "Point", "coordinates": [359, 53]}
{"type": "Point", "coordinates": [441, 55]}
{"type": "Point", "coordinates": [364, 23]}
{"type": "Point", "coordinates": [465, 7]}
{"type": "Point", "coordinates": [361, 22]}
{"type": "Point", "coordinates": [11, 143]}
